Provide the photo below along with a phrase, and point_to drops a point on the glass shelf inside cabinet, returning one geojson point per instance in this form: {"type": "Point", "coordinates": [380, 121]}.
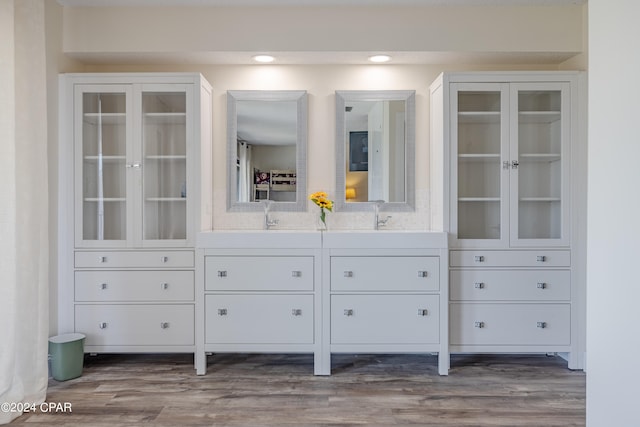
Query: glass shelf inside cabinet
{"type": "Point", "coordinates": [103, 166]}
{"type": "Point", "coordinates": [165, 165]}
{"type": "Point", "coordinates": [479, 159]}
{"type": "Point", "coordinates": [540, 166]}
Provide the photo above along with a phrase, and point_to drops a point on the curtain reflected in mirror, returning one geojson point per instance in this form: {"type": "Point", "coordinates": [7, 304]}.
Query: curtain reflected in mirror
{"type": "Point", "coordinates": [266, 145]}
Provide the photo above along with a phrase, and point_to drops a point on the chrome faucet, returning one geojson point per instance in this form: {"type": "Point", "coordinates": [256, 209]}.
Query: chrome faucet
{"type": "Point", "coordinates": [379, 222]}
{"type": "Point", "coordinates": [268, 223]}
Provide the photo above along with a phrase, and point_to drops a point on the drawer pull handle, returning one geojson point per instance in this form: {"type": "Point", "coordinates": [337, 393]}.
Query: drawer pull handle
{"type": "Point", "coordinates": [479, 325]}
{"type": "Point", "coordinates": [541, 258]}
{"type": "Point", "coordinates": [164, 286]}
{"type": "Point", "coordinates": [222, 273]}
{"type": "Point", "coordinates": [348, 274]}
{"type": "Point", "coordinates": [296, 312]}
{"type": "Point", "coordinates": [541, 285]}
{"type": "Point", "coordinates": [222, 312]}
{"type": "Point", "coordinates": [164, 259]}
{"type": "Point", "coordinates": [348, 312]}
{"type": "Point", "coordinates": [422, 274]}
{"type": "Point", "coordinates": [102, 259]}
{"type": "Point", "coordinates": [103, 286]}
{"type": "Point", "coordinates": [541, 325]}
{"type": "Point", "coordinates": [164, 325]}
{"type": "Point", "coordinates": [478, 285]}
{"type": "Point", "coordinates": [102, 325]}
{"type": "Point", "coordinates": [422, 312]}
{"type": "Point", "coordinates": [479, 258]}
{"type": "Point", "coordinates": [296, 273]}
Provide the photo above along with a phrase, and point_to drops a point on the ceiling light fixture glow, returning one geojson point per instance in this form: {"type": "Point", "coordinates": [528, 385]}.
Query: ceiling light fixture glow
{"type": "Point", "coordinates": [265, 59]}
{"type": "Point", "coordinates": [380, 58]}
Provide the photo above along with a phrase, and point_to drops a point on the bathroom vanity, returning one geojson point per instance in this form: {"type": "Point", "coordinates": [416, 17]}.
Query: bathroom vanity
{"type": "Point", "coordinates": [322, 293]}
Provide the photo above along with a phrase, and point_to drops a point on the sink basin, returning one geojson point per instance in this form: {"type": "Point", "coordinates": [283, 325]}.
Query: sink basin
{"type": "Point", "coordinates": [259, 239]}
{"type": "Point", "coordinates": [384, 239]}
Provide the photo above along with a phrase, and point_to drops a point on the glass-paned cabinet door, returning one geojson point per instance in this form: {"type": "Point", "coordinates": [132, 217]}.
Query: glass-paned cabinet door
{"type": "Point", "coordinates": [480, 135]}
{"type": "Point", "coordinates": [539, 166]}
{"type": "Point", "coordinates": [164, 155]}
{"type": "Point", "coordinates": [102, 134]}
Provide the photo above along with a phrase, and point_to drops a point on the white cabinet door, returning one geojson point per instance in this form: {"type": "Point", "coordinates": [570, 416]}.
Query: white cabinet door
{"type": "Point", "coordinates": [539, 157]}
{"type": "Point", "coordinates": [133, 145]}
{"type": "Point", "coordinates": [259, 319]}
{"type": "Point", "coordinates": [103, 150]}
{"type": "Point", "coordinates": [384, 319]}
{"type": "Point", "coordinates": [388, 273]}
{"type": "Point", "coordinates": [259, 273]}
{"type": "Point", "coordinates": [136, 325]}
{"type": "Point", "coordinates": [510, 324]}
{"type": "Point", "coordinates": [479, 129]}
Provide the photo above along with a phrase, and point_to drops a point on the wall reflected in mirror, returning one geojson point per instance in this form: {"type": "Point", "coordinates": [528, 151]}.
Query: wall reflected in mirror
{"type": "Point", "coordinates": [375, 154]}
{"type": "Point", "coordinates": [375, 145]}
{"type": "Point", "coordinates": [267, 149]}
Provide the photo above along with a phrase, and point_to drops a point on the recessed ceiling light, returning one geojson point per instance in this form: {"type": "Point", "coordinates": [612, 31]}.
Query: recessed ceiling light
{"type": "Point", "coordinates": [380, 58]}
{"type": "Point", "coordinates": [263, 58]}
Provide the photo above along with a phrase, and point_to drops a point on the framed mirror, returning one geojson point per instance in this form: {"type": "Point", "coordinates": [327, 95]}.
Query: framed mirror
{"type": "Point", "coordinates": [266, 150]}
{"type": "Point", "coordinates": [375, 150]}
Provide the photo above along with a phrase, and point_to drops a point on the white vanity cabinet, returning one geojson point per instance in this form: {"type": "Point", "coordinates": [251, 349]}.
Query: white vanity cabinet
{"type": "Point", "coordinates": [259, 292]}
{"type": "Point", "coordinates": [508, 157]}
{"type": "Point", "coordinates": [386, 292]}
{"type": "Point", "coordinates": [133, 150]}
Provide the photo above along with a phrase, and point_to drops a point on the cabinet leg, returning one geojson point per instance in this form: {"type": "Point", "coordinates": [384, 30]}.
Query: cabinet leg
{"type": "Point", "coordinates": [200, 361]}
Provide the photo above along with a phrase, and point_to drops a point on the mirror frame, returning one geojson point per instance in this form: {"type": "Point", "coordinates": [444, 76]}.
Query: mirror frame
{"type": "Point", "coordinates": [300, 97]}
{"type": "Point", "coordinates": [344, 96]}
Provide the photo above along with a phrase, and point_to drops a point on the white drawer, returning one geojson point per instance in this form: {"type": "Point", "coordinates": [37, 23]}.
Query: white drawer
{"type": "Point", "coordinates": [134, 285]}
{"type": "Point", "coordinates": [385, 273]}
{"type": "Point", "coordinates": [139, 259]}
{"type": "Point", "coordinates": [259, 319]}
{"type": "Point", "coordinates": [259, 273]}
{"type": "Point", "coordinates": [510, 285]}
{"type": "Point", "coordinates": [384, 319]}
{"type": "Point", "coordinates": [510, 324]}
{"type": "Point", "coordinates": [514, 258]}
{"type": "Point", "coordinates": [136, 325]}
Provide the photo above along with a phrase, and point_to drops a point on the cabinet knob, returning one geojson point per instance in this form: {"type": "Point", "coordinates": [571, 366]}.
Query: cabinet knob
{"type": "Point", "coordinates": [164, 259]}
{"type": "Point", "coordinates": [479, 325]}
{"type": "Point", "coordinates": [348, 274]}
{"type": "Point", "coordinates": [422, 274]}
{"type": "Point", "coordinates": [479, 258]}
{"type": "Point", "coordinates": [103, 286]}
{"type": "Point", "coordinates": [102, 259]}
{"type": "Point", "coordinates": [541, 258]}
{"type": "Point", "coordinates": [541, 285]}
{"type": "Point", "coordinates": [423, 312]}
{"type": "Point", "coordinates": [164, 286]}
{"type": "Point", "coordinates": [541, 325]}
{"type": "Point", "coordinates": [164, 325]}
{"type": "Point", "coordinates": [348, 312]}
{"type": "Point", "coordinates": [102, 325]}
{"type": "Point", "coordinates": [478, 285]}
{"type": "Point", "coordinates": [296, 312]}
{"type": "Point", "coordinates": [296, 273]}
{"type": "Point", "coordinates": [515, 164]}
{"type": "Point", "coordinates": [222, 273]}
{"type": "Point", "coordinates": [222, 312]}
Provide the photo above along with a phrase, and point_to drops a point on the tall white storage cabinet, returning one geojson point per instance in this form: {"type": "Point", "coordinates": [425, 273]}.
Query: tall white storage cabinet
{"type": "Point", "coordinates": [510, 148]}
{"type": "Point", "coordinates": [132, 150]}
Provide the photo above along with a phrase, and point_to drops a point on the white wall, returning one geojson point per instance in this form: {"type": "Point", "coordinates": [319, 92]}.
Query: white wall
{"type": "Point", "coordinates": [613, 291]}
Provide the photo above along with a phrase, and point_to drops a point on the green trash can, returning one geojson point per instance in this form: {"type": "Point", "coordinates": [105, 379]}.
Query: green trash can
{"type": "Point", "coordinates": [67, 356]}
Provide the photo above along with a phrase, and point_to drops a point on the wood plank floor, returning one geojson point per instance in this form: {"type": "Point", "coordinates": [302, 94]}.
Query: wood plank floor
{"type": "Point", "coordinates": [280, 390]}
